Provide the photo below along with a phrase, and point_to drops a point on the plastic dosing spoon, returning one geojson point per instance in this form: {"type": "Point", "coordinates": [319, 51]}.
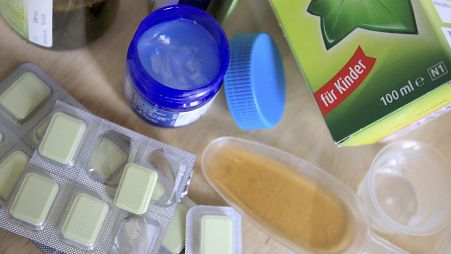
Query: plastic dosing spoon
{"type": "Point", "coordinates": [297, 203]}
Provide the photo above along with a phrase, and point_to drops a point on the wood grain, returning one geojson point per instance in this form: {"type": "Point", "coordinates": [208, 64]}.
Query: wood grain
{"type": "Point", "coordinates": [94, 76]}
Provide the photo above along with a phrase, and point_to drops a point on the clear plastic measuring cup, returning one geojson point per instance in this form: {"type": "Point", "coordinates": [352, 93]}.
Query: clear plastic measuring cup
{"type": "Point", "coordinates": [297, 203]}
{"type": "Point", "coordinates": [407, 189]}
{"type": "Point", "coordinates": [445, 245]}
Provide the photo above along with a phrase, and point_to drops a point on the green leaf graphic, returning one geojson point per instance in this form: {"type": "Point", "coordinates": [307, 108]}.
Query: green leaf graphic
{"type": "Point", "coordinates": [340, 17]}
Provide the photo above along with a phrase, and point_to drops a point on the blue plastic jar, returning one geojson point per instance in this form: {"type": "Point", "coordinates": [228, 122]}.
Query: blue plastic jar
{"type": "Point", "coordinates": [162, 104]}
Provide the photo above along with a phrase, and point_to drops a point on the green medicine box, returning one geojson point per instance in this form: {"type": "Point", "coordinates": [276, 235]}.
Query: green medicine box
{"type": "Point", "coordinates": [376, 68]}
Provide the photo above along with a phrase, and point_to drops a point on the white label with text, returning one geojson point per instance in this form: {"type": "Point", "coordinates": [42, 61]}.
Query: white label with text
{"type": "Point", "coordinates": [40, 22]}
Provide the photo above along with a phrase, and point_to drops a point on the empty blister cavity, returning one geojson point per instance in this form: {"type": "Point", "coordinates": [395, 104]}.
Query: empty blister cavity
{"type": "Point", "coordinates": [41, 129]}
{"type": "Point", "coordinates": [136, 235]}
{"type": "Point", "coordinates": [211, 229]}
{"type": "Point", "coordinates": [174, 240]}
{"type": "Point", "coordinates": [110, 155]}
{"type": "Point", "coordinates": [11, 168]}
{"type": "Point", "coordinates": [62, 138]}
{"type": "Point", "coordinates": [169, 167]}
{"type": "Point", "coordinates": [84, 220]}
{"type": "Point", "coordinates": [8, 139]}
{"type": "Point", "coordinates": [24, 96]}
{"type": "Point", "coordinates": [163, 191]}
{"type": "Point", "coordinates": [135, 188]}
{"type": "Point", "coordinates": [158, 192]}
{"type": "Point", "coordinates": [33, 200]}
{"type": "Point", "coordinates": [159, 160]}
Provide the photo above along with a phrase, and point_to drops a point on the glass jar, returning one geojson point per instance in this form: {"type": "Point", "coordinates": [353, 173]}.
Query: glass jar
{"type": "Point", "coordinates": [161, 64]}
{"type": "Point", "coordinates": [59, 24]}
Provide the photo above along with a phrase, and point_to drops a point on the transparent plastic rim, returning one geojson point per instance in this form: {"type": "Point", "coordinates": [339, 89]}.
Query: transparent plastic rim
{"type": "Point", "coordinates": [358, 210]}
{"type": "Point", "coordinates": [386, 218]}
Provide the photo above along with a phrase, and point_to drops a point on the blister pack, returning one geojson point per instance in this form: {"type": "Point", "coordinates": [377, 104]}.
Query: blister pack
{"type": "Point", "coordinates": [26, 119]}
{"type": "Point", "coordinates": [89, 178]}
{"type": "Point", "coordinates": [136, 234]}
{"type": "Point", "coordinates": [174, 240]}
{"type": "Point", "coordinates": [213, 229]}
{"type": "Point", "coordinates": [27, 96]}
{"type": "Point", "coordinates": [14, 158]}
{"type": "Point", "coordinates": [7, 139]}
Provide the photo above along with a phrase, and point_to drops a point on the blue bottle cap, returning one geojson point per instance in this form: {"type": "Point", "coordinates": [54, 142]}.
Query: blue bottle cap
{"type": "Point", "coordinates": [255, 82]}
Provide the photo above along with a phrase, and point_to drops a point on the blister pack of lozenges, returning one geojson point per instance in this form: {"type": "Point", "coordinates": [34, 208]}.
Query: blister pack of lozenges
{"type": "Point", "coordinates": [137, 234]}
{"type": "Point", "coordinates": [174, 240]}
{"type": "Point", "coordinates": [213, 229]}
{"type": "Point", "coordinates": [27, 96]}
{"type": "Point", "coordinates": [89, 179]}
{"type": "Point", "coordinates": [14, 158]}
{"type": "Point", "coordinates": [7, 139]}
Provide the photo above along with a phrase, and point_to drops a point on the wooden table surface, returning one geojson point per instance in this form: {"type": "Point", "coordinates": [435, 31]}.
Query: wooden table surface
{"type": "Point", "coordinates": [94, 76]}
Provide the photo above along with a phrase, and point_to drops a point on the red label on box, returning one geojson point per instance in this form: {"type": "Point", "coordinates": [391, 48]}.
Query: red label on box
{"type": "Point", "coordinates": [344, 83]}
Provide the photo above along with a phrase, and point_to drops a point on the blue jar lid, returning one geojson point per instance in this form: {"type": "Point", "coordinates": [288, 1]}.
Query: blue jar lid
{"type": "Point", "coordinates": [255, 82]}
